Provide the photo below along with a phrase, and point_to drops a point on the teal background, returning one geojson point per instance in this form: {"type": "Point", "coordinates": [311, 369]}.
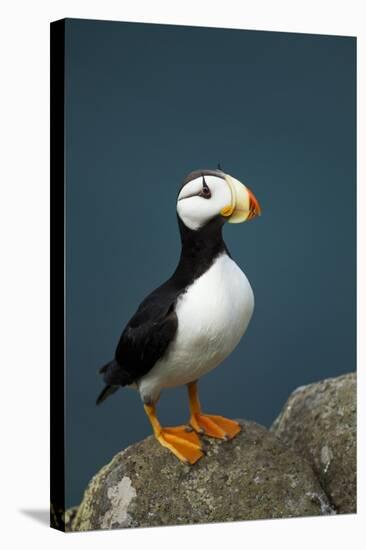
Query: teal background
{"type": "Point", "coordinates": [145, 105]}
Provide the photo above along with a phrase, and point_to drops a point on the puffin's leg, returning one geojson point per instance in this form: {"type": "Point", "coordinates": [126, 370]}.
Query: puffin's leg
{"type": "Point", "coordinates": [208, 424]}
{"type": "Point", "coordinates": [181, 441]}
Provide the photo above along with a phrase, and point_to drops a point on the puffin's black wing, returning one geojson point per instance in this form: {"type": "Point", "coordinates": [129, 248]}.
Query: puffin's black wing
{"type": "Point", "coordinates": [144, 340]}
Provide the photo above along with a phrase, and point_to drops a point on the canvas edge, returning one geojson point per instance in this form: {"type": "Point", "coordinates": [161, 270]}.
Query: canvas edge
{"type": "Point", "coordinates": [57, 226]}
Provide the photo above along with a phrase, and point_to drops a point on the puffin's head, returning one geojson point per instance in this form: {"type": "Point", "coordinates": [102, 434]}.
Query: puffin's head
{"type": "Point", "coordinates": [208, 194]}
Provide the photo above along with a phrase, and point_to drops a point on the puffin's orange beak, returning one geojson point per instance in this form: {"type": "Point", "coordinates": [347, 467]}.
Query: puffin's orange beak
{"type": "Point", "coordinates": [254, 208]}
{"type": "Point", "coordinates": [244, 206]}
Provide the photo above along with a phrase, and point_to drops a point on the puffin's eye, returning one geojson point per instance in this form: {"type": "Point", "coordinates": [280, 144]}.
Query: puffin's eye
{"type": "Point", "coordinates": [205, 191]}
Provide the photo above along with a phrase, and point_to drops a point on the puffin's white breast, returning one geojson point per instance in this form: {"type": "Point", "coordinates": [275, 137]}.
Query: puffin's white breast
{"type": "Point", "coordinates": [213, 315]}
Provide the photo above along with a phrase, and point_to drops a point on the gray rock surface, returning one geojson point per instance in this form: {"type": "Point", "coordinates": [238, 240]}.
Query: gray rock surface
{"type": "Point", "coordinates": [319, 422]}
{"type": "Point", "coordinates": [251, 477]}
{"type": "Point", "coordinates": [70, 515]}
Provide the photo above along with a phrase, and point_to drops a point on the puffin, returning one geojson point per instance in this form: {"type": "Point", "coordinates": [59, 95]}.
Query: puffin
{"type": "Point", "coordinates": [193, 321]}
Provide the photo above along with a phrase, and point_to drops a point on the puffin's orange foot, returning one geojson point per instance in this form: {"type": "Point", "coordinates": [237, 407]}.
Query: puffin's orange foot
{"type": "Point", "coordinates": [182, 442]}
{"type": "Point", "coordinates": [215, 426]}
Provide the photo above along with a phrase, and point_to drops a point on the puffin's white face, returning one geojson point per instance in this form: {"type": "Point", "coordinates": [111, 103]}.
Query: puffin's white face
{"type": "Point", "coordinates": [208, 195]}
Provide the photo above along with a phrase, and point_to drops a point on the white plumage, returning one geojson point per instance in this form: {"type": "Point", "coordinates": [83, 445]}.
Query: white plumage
{"type": "Point", "coordinates": [213, 315]}
{"type": "Point", "coordinates": [194, 211]}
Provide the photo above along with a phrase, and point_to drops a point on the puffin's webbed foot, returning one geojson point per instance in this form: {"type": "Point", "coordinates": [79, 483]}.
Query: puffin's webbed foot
{"type": "Point", "coordinates": [184, 444]}
{"type": "Point", "coordinates": [214, 426]}
{"type": "Point", "coordinates": [180, 440]}
{"type": "Point", "coordinates": [209, 424]}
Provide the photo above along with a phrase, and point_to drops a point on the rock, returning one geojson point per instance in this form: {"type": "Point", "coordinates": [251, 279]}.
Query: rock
{"type": "Point", "coordinates": [57, 517]}
{"type": "Point", "coordinates": [319, 422]}
{"type": "Point", "coordinates": [70, 514]}
{"type": "Point", "coordinates": [251, 477]}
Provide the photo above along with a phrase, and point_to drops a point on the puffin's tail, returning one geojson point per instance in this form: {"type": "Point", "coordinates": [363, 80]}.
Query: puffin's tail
{"type": "Point", "coordinates": [114, 377]}
{"type": "Point", "coordinates": [106, 392]}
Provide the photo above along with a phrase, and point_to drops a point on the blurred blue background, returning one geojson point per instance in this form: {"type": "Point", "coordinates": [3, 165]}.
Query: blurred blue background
{"type": "Point", "coordinates": [145, 105]}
